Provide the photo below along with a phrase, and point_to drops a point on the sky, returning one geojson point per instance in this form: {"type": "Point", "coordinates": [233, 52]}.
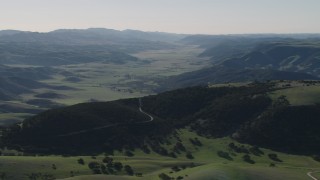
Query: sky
{"type": "Point", "coordinates": [177, 16]}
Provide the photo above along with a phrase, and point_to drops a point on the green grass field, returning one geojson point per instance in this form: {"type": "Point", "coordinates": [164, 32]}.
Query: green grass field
{"type": "Point", "coordinates": [106, 82]}
{"type": "Point", "coordinates": [300, 95]}
{"type": "Point", "coordinates": [207, 164]}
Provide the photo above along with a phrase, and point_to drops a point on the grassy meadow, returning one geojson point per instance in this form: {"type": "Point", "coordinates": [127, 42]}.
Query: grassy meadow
{"type": "Point", "coordinates": [205, 164]}
{"type": "Point", "coordinates": [300, 93]}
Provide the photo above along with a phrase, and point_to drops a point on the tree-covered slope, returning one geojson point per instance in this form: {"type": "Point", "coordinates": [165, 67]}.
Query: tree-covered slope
{"type": "Point", "coordinates": [246, 113]}
{"type": "Point", "coordinates": [287, 128]}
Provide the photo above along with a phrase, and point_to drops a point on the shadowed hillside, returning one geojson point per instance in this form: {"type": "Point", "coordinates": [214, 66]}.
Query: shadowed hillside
{"type": "Point", "coordinates": [243, 112]}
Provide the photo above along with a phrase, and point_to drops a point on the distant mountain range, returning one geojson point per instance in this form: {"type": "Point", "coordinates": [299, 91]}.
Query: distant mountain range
{"type": "Point", "coordinates": [74, 46]}
{"type": "Point", "coordinates": [234, 57]}
{"type": "Point", "coordinates": [88, 36]}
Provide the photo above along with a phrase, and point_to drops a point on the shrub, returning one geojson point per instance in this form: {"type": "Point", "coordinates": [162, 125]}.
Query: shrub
{"type": "Point", "coordinates": [104, 169]}
{"type": "Point", "coordinates": [107, 160]}
{"type": "Point", "coordinates": [272, 165]}
{"type": "Point", "coordinates": [179, 146]}
{"type": "Point", "coordinates": [238, 149]}
{"type": "Point", "coordinates": [110, 170]}
{"type": "Point", "coordinates": [145, 149]}
{"type": "Point", "coordinates": [274, 157]}
{"type": "Point", "coordinates": [81, 161]}
{"type": "Point", "coordinates": [128, 170]}
{"type": "Point", "coordinates": [256, 151]}
{"type": "Point", "coordinates": [94, 165]}
{"type": "Point", "coordinates": [96, 171]}
{"type": "Point", "coordinates": [175, 168]}
{"type": "Point", "coordinates": [172, 154]}
{"type": "Point", "coordinates": [248, 159]}
{"type": "Point", "coordinates": [118, 166]}
{"type": "Point", "coordinates": [316, 157]}
{"type": "Point", "coordinates": [164, 176]}
{"type": "Point", "coordinates": [129, 153]}
{"type": "Point", "coordinates": [189, 155]}
{"type": "Point", "coordinates": [224, 155]}
{"type": "Point", "coordinates": [195, 142]}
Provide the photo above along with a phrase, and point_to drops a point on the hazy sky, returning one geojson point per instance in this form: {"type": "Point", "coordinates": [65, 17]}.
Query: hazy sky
{"type": "Point", "coordinates": [180, 16]}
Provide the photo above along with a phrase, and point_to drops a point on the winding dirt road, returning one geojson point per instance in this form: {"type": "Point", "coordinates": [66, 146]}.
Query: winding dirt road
{"type": "Point", "coordinates": [140, 109]}
{"type": "Point", "coordinates": [111, 125]}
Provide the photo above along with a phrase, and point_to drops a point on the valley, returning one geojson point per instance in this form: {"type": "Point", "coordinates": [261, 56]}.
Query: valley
{"type": "Point", "coordinates": [107, 82]}
{"type": "Point", "coordinates": [108, 104]}
{"type": "Point", "coordinates": [159, 90]}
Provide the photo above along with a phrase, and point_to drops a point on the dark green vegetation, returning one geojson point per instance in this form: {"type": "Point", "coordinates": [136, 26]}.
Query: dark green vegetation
{"type": "Point", "coordinates": [245, 113]}
{"type": "Point", "coordinates": [72, 129]}
{"type": "Point", "coordinates": [143, 150]}
{"type": "Point", "coordinates": [205, 164]}
{"type": "Point", "coordinates": [298, 124]}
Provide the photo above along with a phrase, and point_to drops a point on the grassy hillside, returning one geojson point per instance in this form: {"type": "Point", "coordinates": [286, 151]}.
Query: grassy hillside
{"type": "Point", "coordinates": [198, 138]}
{"type": "Point", "coordinates": [206, 163]}
{"type": "Point", "coordinates": [300, 94]}
{"type": "Point", "coordinates": [237, 111]}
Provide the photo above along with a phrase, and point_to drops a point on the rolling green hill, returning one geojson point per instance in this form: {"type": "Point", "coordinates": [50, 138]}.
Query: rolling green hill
{"type": "Point", "coordinates": [206, 163]}
{"type": "Point", "coordinates": [194, 134]}
{"type": "Point", "coordinates": [218, 112]}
